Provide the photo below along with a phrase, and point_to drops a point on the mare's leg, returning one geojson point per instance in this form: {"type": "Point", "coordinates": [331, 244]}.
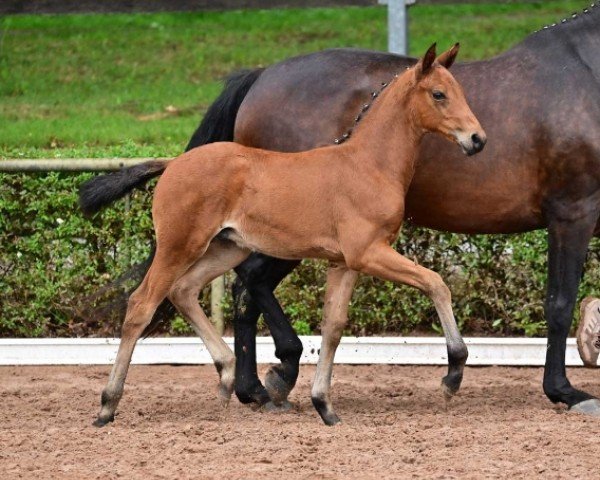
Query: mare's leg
{"type": "Point", "coordinates": [340, 285]}
{"type": "Point", "coordinates": [253, 293]}
{"type": "Point", "coordinates": [220, 257]}
{"type": "Point", "coordinates": [568, 241]}
{"type": "Point", "coordinates": [141, 307]}
{"type": "Point", "coordinates": [384, 262]}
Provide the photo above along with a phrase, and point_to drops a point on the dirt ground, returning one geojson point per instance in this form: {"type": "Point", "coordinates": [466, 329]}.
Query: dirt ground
{"type": "Point", "coordinates": [395, 425]}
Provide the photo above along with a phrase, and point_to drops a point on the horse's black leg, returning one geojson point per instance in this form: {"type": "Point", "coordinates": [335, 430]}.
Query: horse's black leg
{"type": "Point", "coordinates": [567, 247]}
{"type": "Point", "coordinates": [260, 275]}
{"type": "Point", "coordinates": [248, 387]}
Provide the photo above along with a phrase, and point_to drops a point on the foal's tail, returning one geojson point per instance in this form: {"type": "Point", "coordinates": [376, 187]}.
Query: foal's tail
{"type": "Point", "coordinates": [216, 126]}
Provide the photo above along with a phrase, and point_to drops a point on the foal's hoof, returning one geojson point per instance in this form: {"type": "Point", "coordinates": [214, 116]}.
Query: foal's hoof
{"type": "Point", "coordinates": [100, 422]}
{"type": "Point", "coordinates": [276, 386]}
{"type": "Point", "coordinates": [224, 395]}
{"type": "Point", "coordinates": [271, 407]}
{"type": "Point", "coordinates": [325, 411]}
{"type": "Point", "coordinates": [587, 407]}
{"type": "Point", "coordinates": [447, 392]}
{"type": "Point", "coordinates": [451, 384]}
{"type": "Point", "coordinates": [330, 418]}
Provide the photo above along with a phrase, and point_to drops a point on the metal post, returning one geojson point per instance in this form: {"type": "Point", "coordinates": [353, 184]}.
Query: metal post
{"type": "Point", "coordinates": [217, 293]}
{"type": "Point", "coordinates": [398, 25]}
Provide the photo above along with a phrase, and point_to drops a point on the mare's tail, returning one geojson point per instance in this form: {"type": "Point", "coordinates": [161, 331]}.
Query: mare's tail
{"type": "Point", "coordinates": [219, 121]}
{"type": "Point", "coordinates": [102, 190]}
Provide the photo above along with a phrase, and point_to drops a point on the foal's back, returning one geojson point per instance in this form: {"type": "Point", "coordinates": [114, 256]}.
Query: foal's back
{"type": "Point", "coordinates": [274, 202]}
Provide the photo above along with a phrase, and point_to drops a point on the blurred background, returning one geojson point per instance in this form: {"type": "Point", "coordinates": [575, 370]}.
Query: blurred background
{"type": "Point", "coordinates": [75, 83]}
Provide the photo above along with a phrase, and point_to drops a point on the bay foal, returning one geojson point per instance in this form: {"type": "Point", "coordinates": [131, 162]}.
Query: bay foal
{"type": "Point", "coordinates": [216, 204]}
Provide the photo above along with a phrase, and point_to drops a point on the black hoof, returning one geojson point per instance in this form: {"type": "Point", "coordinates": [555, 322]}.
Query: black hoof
{"type": "Point", "coordinates": [451, 385]}
{"type": "Point", "coordinates": [277, 388]}
{"type": "Point", "coordinates": [256, 394]}
{"type": "Point", "coordinates": [284, 406]}
{"type": "Point", "coordinates": [330, 419]}
{"type": "Point", "coordinates": [325, 412]}
{"type": "Point", "coordinates": [100, 422]}
{"type": "Point", "coordinates": [589, 407]}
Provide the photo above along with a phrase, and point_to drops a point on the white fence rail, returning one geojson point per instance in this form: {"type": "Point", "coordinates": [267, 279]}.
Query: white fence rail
{"type": "Point", "coordinates": [352, 350]}
{"type": "Point", "coordinates": [74, 165]}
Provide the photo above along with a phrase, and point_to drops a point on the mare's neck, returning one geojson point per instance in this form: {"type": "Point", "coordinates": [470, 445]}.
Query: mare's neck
{"type": "Point", "coordinates": [577, 35]}
{"type": "Point", "coordinates": [388, 138]}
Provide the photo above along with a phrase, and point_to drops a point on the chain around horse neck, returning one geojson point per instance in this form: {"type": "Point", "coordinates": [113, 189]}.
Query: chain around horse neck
{"type": "Point", "coordinates": [574, 16]}
{"type": "Point", "coordinates": [363, 111]}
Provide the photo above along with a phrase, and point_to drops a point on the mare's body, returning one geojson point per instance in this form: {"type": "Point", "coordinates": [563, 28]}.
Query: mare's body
{"type": "Point", "coordinates": [540, 169]}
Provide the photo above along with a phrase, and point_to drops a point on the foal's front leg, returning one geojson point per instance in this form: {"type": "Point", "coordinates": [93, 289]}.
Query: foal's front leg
{"type": "Point", "coordinates": [384, 262]}
{"type": "Point", "coordinates": [340, 284]}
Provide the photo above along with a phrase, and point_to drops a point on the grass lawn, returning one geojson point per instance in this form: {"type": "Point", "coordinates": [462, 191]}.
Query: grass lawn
{"type": "Point", "coordinates": [131, 85]}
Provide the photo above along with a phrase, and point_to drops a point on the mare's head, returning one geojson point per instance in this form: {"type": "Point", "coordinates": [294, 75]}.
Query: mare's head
{"type": "Point", "coordinates": [439, 103]}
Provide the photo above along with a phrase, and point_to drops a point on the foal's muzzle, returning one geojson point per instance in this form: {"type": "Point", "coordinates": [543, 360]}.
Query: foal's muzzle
{"type": "Point", "coordinates": [473, 144]}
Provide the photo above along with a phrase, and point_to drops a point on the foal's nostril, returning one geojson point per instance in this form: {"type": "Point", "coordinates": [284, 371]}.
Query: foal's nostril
{"type": "Point", "coordinates": [478, 143]}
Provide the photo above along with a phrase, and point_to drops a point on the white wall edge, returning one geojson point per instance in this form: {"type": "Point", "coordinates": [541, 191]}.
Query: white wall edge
{"type": "Point", "coordinates": [352, 350]}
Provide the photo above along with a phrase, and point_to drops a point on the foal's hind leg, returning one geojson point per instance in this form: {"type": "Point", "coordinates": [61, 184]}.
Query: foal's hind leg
{"type": "Point", "coordinates": [142, 305]}
{"type": "Point", "coordinates": [340, 285]}
{"type": "Point", "coordinates": [220, 257]}
{"type": "Point", "coordinates": [384, 262]}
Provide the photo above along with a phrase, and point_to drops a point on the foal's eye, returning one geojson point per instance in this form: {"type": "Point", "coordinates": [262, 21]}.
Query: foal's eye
{"type": "Point", "coordinates": [437, 95]}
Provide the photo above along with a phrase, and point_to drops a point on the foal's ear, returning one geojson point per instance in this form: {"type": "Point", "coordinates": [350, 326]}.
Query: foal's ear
{"type": "Point", "coordinates": [447, 58]}
{"type": "Point", "coordinates": [425, 64]}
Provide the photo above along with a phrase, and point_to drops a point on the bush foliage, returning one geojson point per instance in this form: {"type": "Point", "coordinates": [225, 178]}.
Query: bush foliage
{"type": "Point", "coordinates": [54, 262]}
{"type": "Point", "coordinates": [86, 86]}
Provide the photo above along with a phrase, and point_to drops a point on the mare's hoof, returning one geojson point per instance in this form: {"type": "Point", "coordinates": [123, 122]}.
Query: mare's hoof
{"type": "Point", "coordinates": [271, 407]}
{"type": "Point", "coordinates": [256, 396]}
{"type": "Point", "coordinates": [276, 386]}
{"type": "Point", "coordinates": [100, 422]}
{"type": "Point", "coordinates": [587, 407]}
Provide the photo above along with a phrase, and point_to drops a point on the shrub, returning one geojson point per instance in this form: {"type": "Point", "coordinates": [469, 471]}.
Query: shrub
{"type": "Point", "coordinates": [54, 264]}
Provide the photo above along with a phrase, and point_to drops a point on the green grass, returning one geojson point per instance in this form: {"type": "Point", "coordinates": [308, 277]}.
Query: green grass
{"type": "Point", "coordinates": [129, 85]}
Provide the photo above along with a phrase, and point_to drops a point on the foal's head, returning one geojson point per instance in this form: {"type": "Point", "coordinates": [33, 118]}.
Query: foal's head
{"type": "Point", "coordinates": [439, 102]}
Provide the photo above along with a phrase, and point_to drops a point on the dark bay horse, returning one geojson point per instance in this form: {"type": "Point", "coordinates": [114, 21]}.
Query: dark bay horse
{"type": "Point", "coordinates": [540, 170]}
{"type": "Point", "coordinates": [217, 203]}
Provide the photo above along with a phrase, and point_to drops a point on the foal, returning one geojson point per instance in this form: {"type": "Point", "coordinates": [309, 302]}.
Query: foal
{"type": "Point", "coordinates": [342, 203]}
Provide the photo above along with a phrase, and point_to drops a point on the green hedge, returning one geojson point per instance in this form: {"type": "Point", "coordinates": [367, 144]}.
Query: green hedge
{"type": "Point", "coordinates": [53, 263]}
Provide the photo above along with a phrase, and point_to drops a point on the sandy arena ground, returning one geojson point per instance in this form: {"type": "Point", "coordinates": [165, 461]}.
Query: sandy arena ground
{"type": "Point", "coordinates": [395, 425]}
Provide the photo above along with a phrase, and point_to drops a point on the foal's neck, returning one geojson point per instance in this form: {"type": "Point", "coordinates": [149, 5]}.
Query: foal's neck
{"type": "Point", "coordinates": [388, 137]}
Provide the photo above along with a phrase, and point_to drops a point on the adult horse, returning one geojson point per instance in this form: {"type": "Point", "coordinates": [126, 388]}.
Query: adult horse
{"type": "Point", "coordinates": [540, 169]}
